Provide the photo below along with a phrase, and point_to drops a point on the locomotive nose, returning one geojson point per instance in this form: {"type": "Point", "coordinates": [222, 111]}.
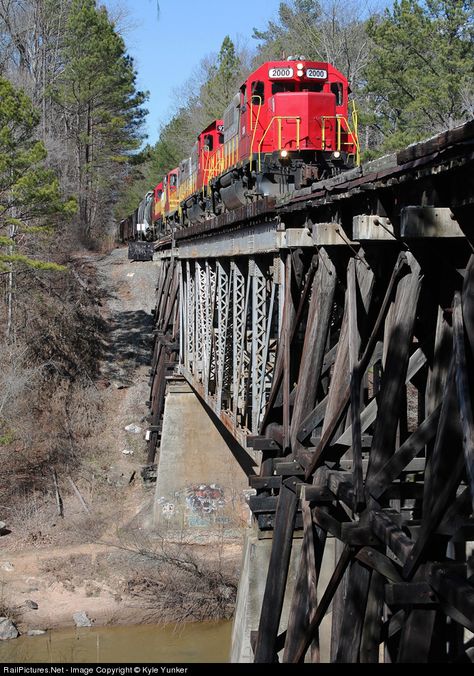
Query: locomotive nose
{"type": "Point", "coordinates": [307, 120]}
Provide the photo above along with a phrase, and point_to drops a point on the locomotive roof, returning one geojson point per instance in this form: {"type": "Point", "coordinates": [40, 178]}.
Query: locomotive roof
{"type": "Point", "coordinates": [262, 70]}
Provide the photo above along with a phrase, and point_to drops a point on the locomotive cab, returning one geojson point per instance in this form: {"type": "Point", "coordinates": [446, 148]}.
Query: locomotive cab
{"type": "Point", "coordinates": [205, 164]}
{"type": "Point", "coordinates": [170, 198]}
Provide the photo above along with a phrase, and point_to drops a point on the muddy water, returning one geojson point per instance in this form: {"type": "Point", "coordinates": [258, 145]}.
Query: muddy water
{"type": "Point", "coordinates": [143, 644]}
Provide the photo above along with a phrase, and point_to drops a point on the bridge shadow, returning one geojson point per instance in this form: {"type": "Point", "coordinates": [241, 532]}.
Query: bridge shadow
{"type": "Point", "coordinates": [127, 345]}
{"type": "Point", "coordinates": [246, 462]}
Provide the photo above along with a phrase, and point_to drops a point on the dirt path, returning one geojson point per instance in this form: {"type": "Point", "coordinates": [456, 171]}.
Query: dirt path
{"type": "Point", "coordinates": [66, 567]}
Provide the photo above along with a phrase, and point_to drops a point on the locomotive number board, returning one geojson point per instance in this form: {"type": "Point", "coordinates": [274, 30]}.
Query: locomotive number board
{"type": "Point", "coordinates": [280, 73]}
{"type": "Point", "coordinates": [285, 72]}
{"type": "Point", "coordinates": [317, 73]}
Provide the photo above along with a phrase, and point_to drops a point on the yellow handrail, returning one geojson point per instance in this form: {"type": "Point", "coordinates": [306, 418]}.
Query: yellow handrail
{"type": "Point", "coordinates": [254, 128]}
{"type": "Point", "coordinates": [352, 132]}
{"type": "Point", "coordinates": [255, 96]}
{"type": "Point", "coordinates": [280, 118]}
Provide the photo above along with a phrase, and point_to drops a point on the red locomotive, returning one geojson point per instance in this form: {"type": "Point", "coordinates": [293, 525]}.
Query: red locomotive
{"type": "Point", "coordinates": [287, 126]}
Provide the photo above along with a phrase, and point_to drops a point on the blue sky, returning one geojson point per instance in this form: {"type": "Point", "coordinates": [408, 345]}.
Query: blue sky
{"type": "Point", "coordinates": [167, 49]}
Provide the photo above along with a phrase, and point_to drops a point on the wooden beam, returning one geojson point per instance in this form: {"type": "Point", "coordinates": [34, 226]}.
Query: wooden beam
{"type": "Point", "coordinates": [290, 322]}
{"type": "Point", "coordinates": [306, 638]}
{"type": "Point", "coordinates": [355, 385]}
{"type": "Point", "coordinates": [265, 648]}
{"type": "Point", "coordinates": [354, 613]}
{"type": "Point", "coordinates": [456, 594]}
{"type": "Point", "coordinates": [416, 637]}
{"type": "Point", "coordinates": [418, 222]}
{"type": "Point", "coordinates": [409, 594]}
{"type": "Point", "coordinates": [339, 411]}
{"type": "Point", "coordinates": [341, 373]}
{"type": "Point", "coordinates": [379, 562]}
{"type": "Point", "coordinates": [261, 443]}
{"type": "Point", "coordinates": [407, 451]}
{"type": "Point", "coordinates": [372, 228]}
{"type": "Point", "coordinates": [315, 339]}
{"type": "Point", "coordinates": [463, 391]}
{"type": "Point", "coordinates": [304, 599]}
{"type": "Point", "coordinates": [372, 628]}
{"type": "Point", "coordinates": [447, 470]}
{"type": "Point", "coordinates": [393, 380]}
{"type": "Point", "coordinates": [369, 413]}
{"type": "Point", "coordinates": [312, 420]}
{"type": "Point", "coordinates": [391, 535]}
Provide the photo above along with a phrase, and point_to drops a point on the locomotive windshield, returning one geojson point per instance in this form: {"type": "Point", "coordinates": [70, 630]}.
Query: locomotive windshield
{"type": "Point", "coordinates": [278, 87]}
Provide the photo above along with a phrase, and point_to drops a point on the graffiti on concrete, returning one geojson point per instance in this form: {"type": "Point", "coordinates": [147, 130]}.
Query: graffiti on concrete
{"type": "Point", "coordinates": [168, 509]}
{"type": "Point", "coordinates": [204, 499]}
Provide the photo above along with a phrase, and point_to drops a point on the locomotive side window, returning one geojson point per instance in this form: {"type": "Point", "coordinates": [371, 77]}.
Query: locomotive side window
{"type": "Point", "coordinates": [258, 88]}
{"type": "Point", "coordinates": [243, 89]}
{"type": "Point", "coordinates": [278, 87]}
{"type": "Point", "coordinates": [336, 88]}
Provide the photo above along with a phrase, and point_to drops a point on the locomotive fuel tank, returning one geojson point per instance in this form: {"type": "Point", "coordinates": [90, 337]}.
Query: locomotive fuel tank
{"type": "Point", "coordinates": [232, 190]}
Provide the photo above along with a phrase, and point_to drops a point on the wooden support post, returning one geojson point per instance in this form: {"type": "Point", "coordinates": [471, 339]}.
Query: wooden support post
{"type": "Point", "coordinates": [398, 351]}
{"type": "Point", "coordinates": [447, 470]}
{"type": "Point", "coordinates": [372, 628]}
{"type": "Point", "coordinates": [409, 450]}
{"type": "Point", "coordinates": [463, 391]}
{"type": "Point", "coordinates": [304, 600]}
{"type": "Point", "coordinates": [354, 612]}
{"type": "Point", "coordinates": [317, 326]}
{"type": "Point", "coordinates": [265, 648]}
{"type": "Point", "coordinates": [306, 638]}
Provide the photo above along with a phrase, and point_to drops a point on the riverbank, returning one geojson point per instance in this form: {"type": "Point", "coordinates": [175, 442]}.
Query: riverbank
{"type": "Point", "coordinates": [101, 557]}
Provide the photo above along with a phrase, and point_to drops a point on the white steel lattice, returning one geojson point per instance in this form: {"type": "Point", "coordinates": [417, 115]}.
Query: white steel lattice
{"type": "Point", "coordinates": [268, 356]}
{"type": "Point", "coordinates": [182, 318]}
{"type": "Point", "coordinates": [259, 331]}
{"type": "Point", "coordinates": [201, 323]}
{"type": "Point", "coordinates": [209, 376]}
{"type": "Point", "coordinates": [230, 328]}
{"type": "Point", "coordinates": [223, 307]}
{"type": "Point", "coordinates": [190, 315]}
{"type": "Point", "coordinates": [240, 296]}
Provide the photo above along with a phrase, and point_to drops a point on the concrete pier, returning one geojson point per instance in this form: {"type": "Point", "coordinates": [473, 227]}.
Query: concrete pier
{"type": "Point", "coordinates": [202, 476]}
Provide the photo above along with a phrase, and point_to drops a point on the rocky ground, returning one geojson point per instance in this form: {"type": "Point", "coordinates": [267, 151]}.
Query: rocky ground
{"type": "Point", "coordinates": [101, 558]}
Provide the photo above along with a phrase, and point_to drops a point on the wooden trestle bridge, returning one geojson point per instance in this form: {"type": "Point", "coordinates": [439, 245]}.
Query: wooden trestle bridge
{"type": "Point", "coordinates": [332, 332]}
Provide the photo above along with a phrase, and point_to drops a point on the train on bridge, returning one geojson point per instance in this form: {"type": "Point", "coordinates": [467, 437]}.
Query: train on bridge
{"type": "Point", "coordinates": [287, 126]}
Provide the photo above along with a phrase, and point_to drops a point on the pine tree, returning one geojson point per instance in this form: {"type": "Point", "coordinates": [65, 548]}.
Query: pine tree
{"type": "Point", "coordinates": [30, 200]}
{"type": "Point", "coordinates": [29, 193]}
{"type": "Point", "coordinates": [421, 73]}
{"type": "Point", "coordinates": [102, 109]}
{"type": "Point", "coordinates": [223, 82]}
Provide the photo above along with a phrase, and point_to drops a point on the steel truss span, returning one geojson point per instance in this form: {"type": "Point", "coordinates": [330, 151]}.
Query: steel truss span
{"type": "Point", "coordinates": [339, 349]}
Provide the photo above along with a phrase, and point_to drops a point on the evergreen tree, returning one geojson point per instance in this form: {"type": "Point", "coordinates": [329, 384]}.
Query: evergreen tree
{"type": "Point", "coordinates": [30, 199]}
{"type": "Point", "coordinates": [223, 81]}
{"type": "Point", "coordinates": [421, 73]}
{"type": "Point", "coordinates": [295, 32]}
{"type": "Point", "coordinates": [102, 109]}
